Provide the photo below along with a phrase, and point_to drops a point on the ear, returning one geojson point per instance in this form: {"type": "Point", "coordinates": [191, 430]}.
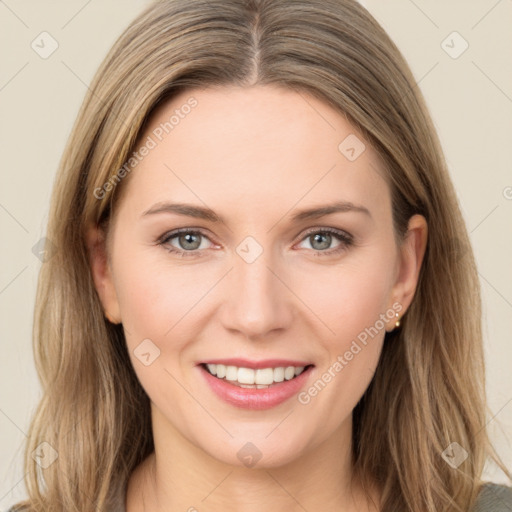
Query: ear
{"type": "Point", "coordinates": [412, 251]}
{"type": "Point", "coordinates": [102, 272]}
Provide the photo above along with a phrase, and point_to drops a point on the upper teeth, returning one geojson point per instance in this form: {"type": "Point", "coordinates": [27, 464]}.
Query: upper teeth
{"type": "Point", "coordinates": [262, 376]}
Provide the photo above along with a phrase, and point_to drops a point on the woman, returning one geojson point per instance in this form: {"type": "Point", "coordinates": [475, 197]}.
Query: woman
{"type": "Point", "coordinates": [318, 345]}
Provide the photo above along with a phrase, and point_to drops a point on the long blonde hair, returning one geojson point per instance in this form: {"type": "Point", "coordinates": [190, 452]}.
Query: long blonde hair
{"type": "Point", "coordinates": [428, 390]}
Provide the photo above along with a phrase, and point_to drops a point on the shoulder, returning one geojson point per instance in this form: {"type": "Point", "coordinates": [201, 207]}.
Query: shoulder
{"type": "Point", "coordinates": [494, 498]}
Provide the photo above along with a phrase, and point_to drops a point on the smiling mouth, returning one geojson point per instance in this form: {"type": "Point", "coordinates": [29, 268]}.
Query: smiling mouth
{"type": "Point", "coordinates": [254, 378]}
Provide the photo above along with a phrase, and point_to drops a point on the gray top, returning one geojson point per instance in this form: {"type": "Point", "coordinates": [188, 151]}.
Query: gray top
{"type": "Point", "coordinates": [492, 498]}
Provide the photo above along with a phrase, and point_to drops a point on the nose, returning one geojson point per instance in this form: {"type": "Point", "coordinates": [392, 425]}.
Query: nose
{"type": "Point", "coordinates": [258, 300]}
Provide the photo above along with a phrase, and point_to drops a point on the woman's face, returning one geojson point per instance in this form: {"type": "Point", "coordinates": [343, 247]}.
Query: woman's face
{"type": "Point", "coordinates": [257, 283]}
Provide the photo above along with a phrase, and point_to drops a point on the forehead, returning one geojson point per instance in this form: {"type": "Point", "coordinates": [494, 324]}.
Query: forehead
{"type": "Point", "coordinates": [260, 148]}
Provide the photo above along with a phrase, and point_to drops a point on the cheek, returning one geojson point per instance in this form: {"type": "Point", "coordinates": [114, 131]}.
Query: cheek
{"type": "Point", "coordinates": [163, 300]}
{"type": "Point", "coordinates": [160, 295]}
{"type": "Point", "coordinates": [350, 304]}
{"type": "Point", "coordinates": [347, 298]}
{"type": "Point", "coordinates": [157, 307]}
{"type": "Point", "coordinates": [150, 296]}
{"type": "Point", "coordinates": [155, 297]}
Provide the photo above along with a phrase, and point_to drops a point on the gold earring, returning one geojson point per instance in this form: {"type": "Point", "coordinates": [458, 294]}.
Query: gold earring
{"type": "Point", "coordinates": [397, 323]}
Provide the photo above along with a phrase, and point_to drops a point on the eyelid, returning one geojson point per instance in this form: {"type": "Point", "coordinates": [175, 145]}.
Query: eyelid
{"type": "Point", "coordinates": [168, 235]}
{"type": "Point", "coordinates": [327, 229]}
{"type": "Point", "coordinates": [345, 239]}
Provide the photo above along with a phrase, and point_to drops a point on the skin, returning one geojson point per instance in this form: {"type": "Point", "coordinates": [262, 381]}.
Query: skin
{"type": "Point", "coordinates": [255, 156]}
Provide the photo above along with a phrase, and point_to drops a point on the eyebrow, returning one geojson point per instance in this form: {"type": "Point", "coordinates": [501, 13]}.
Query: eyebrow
{"type": "Point", "coordinates": [204, 213]}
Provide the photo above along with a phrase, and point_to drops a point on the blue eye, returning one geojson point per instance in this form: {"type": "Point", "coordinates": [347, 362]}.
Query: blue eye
{"type": "Point", "coordinates": [190, 241]}
{"type": "Point", "coordinates": [324, 236]}
{"type": "Point", "coordinates": [187, 238]}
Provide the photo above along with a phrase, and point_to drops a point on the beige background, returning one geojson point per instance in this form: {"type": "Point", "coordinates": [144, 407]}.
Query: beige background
{"type": "Point", "coordinates": [470, 98]}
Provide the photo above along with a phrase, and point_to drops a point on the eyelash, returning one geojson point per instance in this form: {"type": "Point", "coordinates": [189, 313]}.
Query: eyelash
{"type": "Point", "coordinates": [345, 239]}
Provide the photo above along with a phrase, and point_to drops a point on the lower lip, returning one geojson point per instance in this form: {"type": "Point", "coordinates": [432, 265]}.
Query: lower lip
{"type": "Point", "coordinates": [254, 398]}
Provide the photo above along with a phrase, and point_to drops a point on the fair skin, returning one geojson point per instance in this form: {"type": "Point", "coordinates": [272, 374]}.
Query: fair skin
{"type": "Point", "coordinates": [255, 156]}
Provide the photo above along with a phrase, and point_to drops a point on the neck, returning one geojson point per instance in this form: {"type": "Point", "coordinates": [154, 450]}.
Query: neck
{"type": "Point", "coordinates": [180, 476]}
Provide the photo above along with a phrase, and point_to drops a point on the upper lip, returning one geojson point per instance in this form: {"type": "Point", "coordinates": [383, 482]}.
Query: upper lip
{"type": "Point", "coordinates": [264, 363]}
